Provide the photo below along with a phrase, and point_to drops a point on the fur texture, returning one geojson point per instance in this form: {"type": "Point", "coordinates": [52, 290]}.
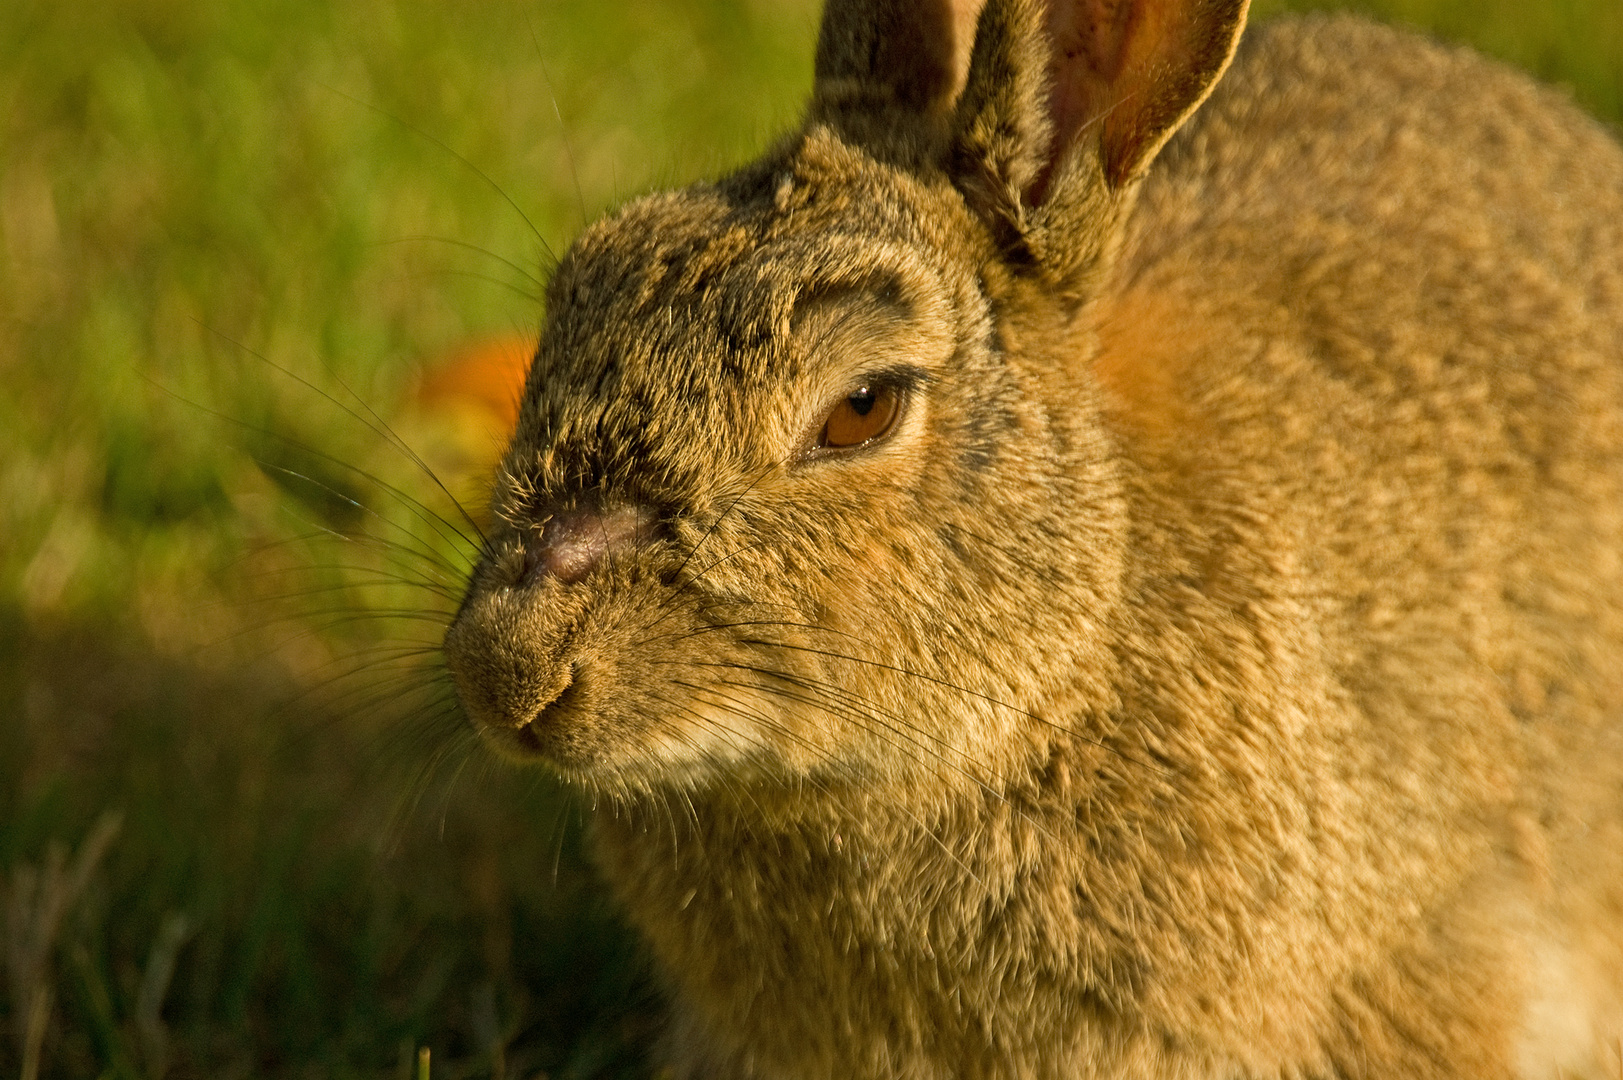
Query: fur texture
{"type": "Point", "coordinates": [1212, 673]}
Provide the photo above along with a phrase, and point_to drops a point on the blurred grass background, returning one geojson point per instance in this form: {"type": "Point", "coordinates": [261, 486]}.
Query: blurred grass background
{"type": "Point", "coordinates": [222, 854]}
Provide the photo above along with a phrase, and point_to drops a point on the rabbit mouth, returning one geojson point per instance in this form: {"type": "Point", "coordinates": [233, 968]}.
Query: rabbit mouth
{"type": "Point", "coordinates": [549, 731]}
{"type": "Point", "coordinates": [534, 739]}
{"type": "Point", "coordinates": [587, 727]}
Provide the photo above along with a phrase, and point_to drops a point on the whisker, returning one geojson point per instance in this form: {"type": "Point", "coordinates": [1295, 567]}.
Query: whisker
{"type": "Point", "coordinates": [1062, 729]}
{"type": "Point", "coordinates": [894, 805]}
{"type": "Point", "coordinates": [429, 559]}
{"type": "Point", "coordinates": [677, 574]}
{"type": "Point", "coordinates": [476, 169]}
{"type": "Point", "coordinates": [379, 427]}
{"type": "Point", "coordinates": [371, 577]}
{"type": "Point", "coordinates": [417, 508]}
{"type": "Point", "coordinates": [560, 826]}
{"type": "Point", "coordinates": [862, 714]}
{"type": "Point", "coordinates": [666, 608]}
{"type": "Point", "coordinates": [516, 267]}
{"type": "Point", "coordinates": [563, 128]}
{"type": "Point", "coordinates": [475, 275]}
{"type": "Point", "coordinates": [738, 709]}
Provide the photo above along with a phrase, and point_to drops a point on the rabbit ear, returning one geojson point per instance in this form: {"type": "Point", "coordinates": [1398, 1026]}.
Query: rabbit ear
{"type": "Point", "coordinates": [889, 72]}
{"type": "Point", "coordinates": [1111, 78]}
{"type": "Point", "coordinates": [1025, 102]}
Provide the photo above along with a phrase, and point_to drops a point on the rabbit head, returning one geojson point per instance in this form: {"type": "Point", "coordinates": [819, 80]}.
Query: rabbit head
{"type": "Point", "coordinates": [808, 479]}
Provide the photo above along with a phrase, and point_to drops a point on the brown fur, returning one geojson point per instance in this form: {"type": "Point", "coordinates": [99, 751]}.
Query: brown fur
{"type": "Point", "coordinates": [1214, 674]}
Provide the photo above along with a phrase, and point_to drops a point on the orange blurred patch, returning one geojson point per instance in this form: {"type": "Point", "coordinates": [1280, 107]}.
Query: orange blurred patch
{"type": "Point", "coordinates": [488, 376]}
{"type": "Point", "coordinates": [463, 411]}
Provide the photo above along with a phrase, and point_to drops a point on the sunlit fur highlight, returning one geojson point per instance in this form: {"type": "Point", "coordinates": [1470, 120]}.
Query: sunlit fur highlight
{"type": "Point", "coordinates": [1215, 672]}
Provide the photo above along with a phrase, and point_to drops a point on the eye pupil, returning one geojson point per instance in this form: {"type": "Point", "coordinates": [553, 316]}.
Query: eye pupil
{"type": "Point", "coordinates": [864, 415]}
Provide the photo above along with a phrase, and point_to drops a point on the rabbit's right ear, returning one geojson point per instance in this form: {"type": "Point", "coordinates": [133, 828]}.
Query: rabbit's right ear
{"type": "Point", "coordinates": [1026, 102]}
{"type": "Point", "coordinates": [1052, 79]}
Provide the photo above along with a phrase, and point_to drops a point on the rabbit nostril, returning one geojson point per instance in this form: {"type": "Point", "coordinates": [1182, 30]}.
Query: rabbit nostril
{"type": "Point", "coordinates": [575, 541]}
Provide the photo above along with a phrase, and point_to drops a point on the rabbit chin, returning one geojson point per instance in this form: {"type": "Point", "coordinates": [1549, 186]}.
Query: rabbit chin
{"type": "Point", "coordinates": [610, 737]}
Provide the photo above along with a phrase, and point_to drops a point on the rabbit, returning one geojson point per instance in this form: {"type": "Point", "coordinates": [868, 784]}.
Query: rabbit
{"type": "Point", "coordinates": [1100, 554]}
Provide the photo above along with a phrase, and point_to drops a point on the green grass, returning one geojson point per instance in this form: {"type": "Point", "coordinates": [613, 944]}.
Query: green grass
{"type": "Point", "coordinates": [191, 197]}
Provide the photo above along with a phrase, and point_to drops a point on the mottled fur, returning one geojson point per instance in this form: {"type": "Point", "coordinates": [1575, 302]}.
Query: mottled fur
{"type": "Point", "coordinates": [1215, 674]}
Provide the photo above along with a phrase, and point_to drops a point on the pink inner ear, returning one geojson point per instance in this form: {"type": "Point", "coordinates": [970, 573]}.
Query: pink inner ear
{"type": "Point", "coordinates": [1089, 40]}
{"type": "Point", "coordinates": [1134, 68]}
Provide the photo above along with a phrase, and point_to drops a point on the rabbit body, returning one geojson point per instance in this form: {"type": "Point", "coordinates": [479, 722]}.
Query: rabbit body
{"type": "Point", "coordinates": [1215, 673]}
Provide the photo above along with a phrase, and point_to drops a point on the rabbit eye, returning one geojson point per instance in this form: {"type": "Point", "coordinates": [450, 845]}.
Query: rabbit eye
{"type": "Point", "coordinates": [862, 416]}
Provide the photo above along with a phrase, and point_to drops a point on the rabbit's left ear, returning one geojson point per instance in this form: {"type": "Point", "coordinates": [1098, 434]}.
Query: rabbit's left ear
{"type": "Point", "coordinates": [889, 72]}
{"type": "Point", "coordinates": [1097, 86]}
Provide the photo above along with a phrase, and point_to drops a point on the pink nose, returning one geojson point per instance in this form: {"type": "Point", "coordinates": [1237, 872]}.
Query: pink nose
{"type": "Point", "coordinates": [574, 541]}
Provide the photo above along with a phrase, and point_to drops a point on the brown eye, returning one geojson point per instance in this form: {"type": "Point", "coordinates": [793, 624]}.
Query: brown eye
{"type": "Point", "coordinates": [862, 416]}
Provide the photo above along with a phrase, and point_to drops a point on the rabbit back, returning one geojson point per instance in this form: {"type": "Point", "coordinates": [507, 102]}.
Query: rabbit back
{"type": "Point", "coordinates": [1367, 325]}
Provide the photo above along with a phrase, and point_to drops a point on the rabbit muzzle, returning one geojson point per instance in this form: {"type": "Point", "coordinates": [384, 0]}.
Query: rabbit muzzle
{"type": "Point", "coordinates": [514, 648]}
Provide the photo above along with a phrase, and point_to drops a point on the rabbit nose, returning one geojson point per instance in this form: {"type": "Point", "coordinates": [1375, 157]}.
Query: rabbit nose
{"type": "Point", "coordinates": [575, 541]}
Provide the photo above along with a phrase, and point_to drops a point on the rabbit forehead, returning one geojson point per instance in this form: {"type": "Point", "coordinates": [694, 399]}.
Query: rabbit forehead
{"type": "Point", "coordinates": [679, 316]}
{"type": "Point", "coordinates": [740, 252]}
